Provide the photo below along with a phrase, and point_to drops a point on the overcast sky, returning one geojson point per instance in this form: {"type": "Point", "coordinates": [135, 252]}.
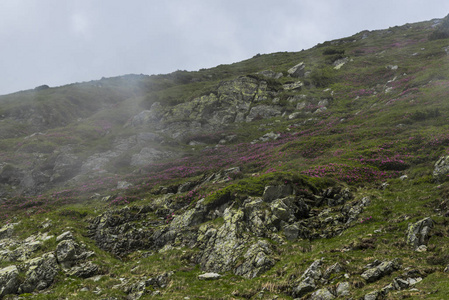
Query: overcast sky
{"type": "Point", "coordinates": [57, 42]}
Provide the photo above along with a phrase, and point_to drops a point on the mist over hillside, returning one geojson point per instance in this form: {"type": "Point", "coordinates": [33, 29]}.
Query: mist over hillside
{"type": "Point", "coordinates": [319, 174]}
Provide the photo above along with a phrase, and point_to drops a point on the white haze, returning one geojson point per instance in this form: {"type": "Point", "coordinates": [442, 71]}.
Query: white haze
{"type": "Point", "coordinates": [58, 42]}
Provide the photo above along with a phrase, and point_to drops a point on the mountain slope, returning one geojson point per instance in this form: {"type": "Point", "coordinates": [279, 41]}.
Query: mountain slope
{"type": "Point", "coordinates": [292, 175]}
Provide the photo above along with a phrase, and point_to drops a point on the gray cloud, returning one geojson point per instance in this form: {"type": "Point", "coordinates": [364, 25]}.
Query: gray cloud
{"type": "Point", "coordinates": [60, 42]}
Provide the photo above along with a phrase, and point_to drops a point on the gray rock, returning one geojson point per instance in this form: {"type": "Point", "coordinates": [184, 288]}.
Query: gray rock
{"type": "Point", "coordinates": [66, 166]}
{"type": "Point", "coordinates": [209, 276]}
{"type": "Point", "coordinates": [418, 233]}
{"type": "Point", "coordinates": [84, 270]}
{"type": "Point", "coordinates": [275, 192]}
{"type": "Point", "coordinates": [66, 253]}
{"type": "Point", "coordinates": [257, 260]}
{"type": "Point", "coordinates": [335, 268]}
{"type": "Point", "coordinates": [7, 230]}
{"type": "Point", "coordinates": [313, 271]}
{"type": "Point", "coordinates": [271, 74]}
{"type": "Point", "coordinates": [297, 71]}
{"type": "Point", "coordinates": [343, 289]}
{"type": "Point", "coordinates": [9, 281]}
{"type": "Point", "coordinates": [307, 285]}
{"type": "Point", "coordinates": [441, 168]}
{"type": "Point", "coordinates": [322, 294]}
{"type": "Point", "coordinates": [64, 236]}
{"type": "Point", "coordinates": [376, 295]}
{"type": "Point", "coordinates": [400, 284]}
{"type": "Point", "coordinates": [262, 112]}
{"type": "Point", "coordinates": [294, 86]}
{"type": "Point", "coordinates": [40, 273]}
{"type": "Point", "coordinates": [380, 270]}
{"type": "Point", "coordinates": [226, 245]}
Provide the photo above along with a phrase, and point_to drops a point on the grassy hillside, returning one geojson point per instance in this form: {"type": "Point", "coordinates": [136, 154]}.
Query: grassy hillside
{"type": "Point", "coordinates": [372, 108]}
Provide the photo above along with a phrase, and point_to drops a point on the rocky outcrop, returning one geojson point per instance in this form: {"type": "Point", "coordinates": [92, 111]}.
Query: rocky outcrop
{"type": "Point", "coordinates": [237, 243]}
{"type": "Point", "coordinates": [39, 272]}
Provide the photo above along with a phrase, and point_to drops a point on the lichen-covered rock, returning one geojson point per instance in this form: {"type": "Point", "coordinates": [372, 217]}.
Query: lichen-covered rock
{"type": "Point", "coordinates": [66, 253]}
{"type": "Point", "coordinates": [84, 270]}
{"type": "Point", "coordinates": [9, 281]}
{"type": "Point", "coordinates": [298, 70]}
{"type": "Point", "coordinates": [7, 230]}
{"type": "Point", "coordinates": [262, 112]}
{"type": "Point", "coordinates": [379, 269]}
{"type": "Point", "coordinates": [227, 245]}
{"type": "Point", "coordinates": [305, 286]}
{"type": "Point", "coordinates": [39, 273]}
{"type": "Point", "coordinates": [418, 233]}
{"type": "Point", "coordinates": [322, 294]}
{"type": "Point", "coordinates": [441, 168]}
{"type": "Point", "coordinates": [343, 289]}
{"type": "Point", "coordinates": [64, 236]}
{"type": "Point", "coordinates": [257, 260]}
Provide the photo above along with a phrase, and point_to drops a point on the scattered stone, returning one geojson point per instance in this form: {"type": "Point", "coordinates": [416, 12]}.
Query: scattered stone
{"type": "Point", "coordinates": [209, 276]}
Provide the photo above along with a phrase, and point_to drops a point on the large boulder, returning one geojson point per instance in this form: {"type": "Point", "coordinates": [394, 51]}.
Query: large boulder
{"type": "Point", "coordinates": [226, 245]}
{"type": "Point", "coordinates": [441, 168]}
{"type": "Point", "coordinates": [9, 280]}
{"type": "Point", "coordinates": [379, 269]}
{"type": "Point", "coordinates": [418, 233]}
{"type": "Point", "coordinates": [275, 192]}
{"type": "Point", "coordinates": [263, 112]}
{"type": "Point", "coordinates": [39, 273]}
{"type": "Point", "coordinates": [257, 260]}
{"type": "Point", "coordinates": [298, 70]}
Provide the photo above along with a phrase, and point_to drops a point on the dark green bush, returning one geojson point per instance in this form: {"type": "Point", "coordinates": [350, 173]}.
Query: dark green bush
{"type": "Point", "coordinates": [322, 77]}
